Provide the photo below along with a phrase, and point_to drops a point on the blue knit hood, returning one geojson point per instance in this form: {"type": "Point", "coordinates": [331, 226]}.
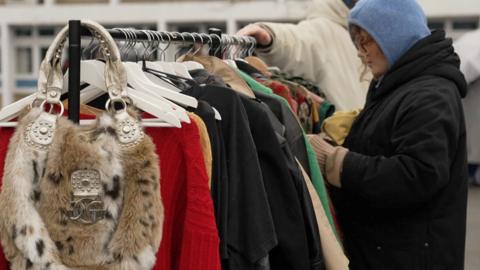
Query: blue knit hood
{"type": "Point", "coordinates": [396, 25]}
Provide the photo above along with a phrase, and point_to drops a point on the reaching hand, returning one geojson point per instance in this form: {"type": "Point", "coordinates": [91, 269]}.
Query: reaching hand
{"type": "Point", "coordinates": [262, 36]}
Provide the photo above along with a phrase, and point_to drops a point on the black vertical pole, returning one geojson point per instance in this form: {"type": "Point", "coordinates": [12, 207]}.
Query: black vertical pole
{"type": "Point", "coordinates": [74, 57]}
{"type": "Point", "coordinates": [216, 43]}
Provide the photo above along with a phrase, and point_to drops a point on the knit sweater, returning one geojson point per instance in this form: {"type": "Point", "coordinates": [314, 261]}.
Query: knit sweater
{"type": "Point", "coordinates": [190, 238]}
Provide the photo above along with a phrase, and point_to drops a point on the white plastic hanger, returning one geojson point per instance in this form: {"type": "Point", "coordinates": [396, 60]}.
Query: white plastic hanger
{"type": "Point", "coordinates": [161, 82]}
{"type": "Point", "coordinates": [134, 77]}
{"type": "Point", "coordinates": [181, 70]}
{"type": "Point", "coordinates": [167, 68]}
{"type": "Point", "coordinates": [13, 110]}
{"type": "Point", "coordinates": [140, 82]}
{"type": "Point", "coordinates": [92, 72]}
{"type": "Point", "coordinates": [160, 66]}
{"type": "Point", "coordinates": [192, 65]}
{"type": "Point", "coordinates": [155, 79]}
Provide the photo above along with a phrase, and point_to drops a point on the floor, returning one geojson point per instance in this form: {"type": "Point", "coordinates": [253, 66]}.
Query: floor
{"type": "Point", "coordinates": [472, 260]}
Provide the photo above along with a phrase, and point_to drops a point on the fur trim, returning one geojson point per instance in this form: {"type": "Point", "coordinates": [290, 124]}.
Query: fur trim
{"type": "Point", "coordinates": [37, 192]}
{"type": "Point", "coordinates": [23, 231]}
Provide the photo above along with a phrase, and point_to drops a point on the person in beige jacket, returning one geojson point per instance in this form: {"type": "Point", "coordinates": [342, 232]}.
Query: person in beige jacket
{"type": "Point", "coordinates": [319, 49]}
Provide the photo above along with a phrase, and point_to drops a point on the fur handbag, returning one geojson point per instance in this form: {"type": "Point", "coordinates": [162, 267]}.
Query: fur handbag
{"type": "Point", "coordinates": [81, 197]}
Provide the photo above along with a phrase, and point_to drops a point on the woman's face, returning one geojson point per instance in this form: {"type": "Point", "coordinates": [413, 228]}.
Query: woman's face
{"type": "Point", "coordinates": [371, 54]}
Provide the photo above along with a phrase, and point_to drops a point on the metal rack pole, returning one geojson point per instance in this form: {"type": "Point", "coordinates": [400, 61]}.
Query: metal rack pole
{"type": "Point", "coordinates": [74, 57]}
{"type": "Point", "coordinates": [76, 31]}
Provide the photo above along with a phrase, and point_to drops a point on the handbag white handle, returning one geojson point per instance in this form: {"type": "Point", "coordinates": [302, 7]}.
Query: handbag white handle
{"type": "Point", "coordinates": [50, 81]}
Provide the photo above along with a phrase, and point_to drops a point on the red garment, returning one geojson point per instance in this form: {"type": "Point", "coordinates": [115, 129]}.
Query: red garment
{"type": "Point", "coordinates": [283, 91]}
{"type": "Point", "coordinates": [5, 134]}
{"type": "Point", "coordinates": [190, 237]}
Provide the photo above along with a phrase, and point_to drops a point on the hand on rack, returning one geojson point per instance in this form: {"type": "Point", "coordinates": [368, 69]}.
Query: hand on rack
{"type": "Point", "coordinates": [263, 37]}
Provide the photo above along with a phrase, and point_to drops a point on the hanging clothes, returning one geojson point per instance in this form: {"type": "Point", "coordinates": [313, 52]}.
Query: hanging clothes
{"type": "Point", "coordinates": [216, 66]}
{"type": "Point", "coordinates": [189, 217]}
{"type": "Point", "coordinates": [251, 232]}
{"type": "Point", "coordinates": [261, 134]}
{"type": "Point", "coordinates": [206, 145]}
{"type": "Point", "coordinates": [291, 207]}
{"type": "Point", "coordinates": [219, 187]}
{"type": "Point", "coordinates": [316, 175]}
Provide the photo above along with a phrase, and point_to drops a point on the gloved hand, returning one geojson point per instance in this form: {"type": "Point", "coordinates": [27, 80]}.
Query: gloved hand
{"type": "Point", "coordinates": [330, 159]}
{"type": "Point", "coordinates": [263, 37]}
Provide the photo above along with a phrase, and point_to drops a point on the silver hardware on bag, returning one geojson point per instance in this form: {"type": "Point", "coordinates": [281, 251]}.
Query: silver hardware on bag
{"type": "Point", "coordinates": [129, 130]}
{"type": "Point", "coordinates": [86, 205]}
{"type": "Point", "coordinates": [86, 183]}
{"type": "Point", "coordinates": [39, 133]}
{"type": "Point", "coordinates": [86, 211]}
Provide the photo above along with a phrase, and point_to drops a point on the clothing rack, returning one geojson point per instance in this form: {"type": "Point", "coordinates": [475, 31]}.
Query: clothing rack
{"type": "Point", "coordinates": [215, 39]}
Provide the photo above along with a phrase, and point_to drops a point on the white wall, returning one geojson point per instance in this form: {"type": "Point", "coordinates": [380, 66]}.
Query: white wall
{"type": "Point", "coordinates": [451, 8]}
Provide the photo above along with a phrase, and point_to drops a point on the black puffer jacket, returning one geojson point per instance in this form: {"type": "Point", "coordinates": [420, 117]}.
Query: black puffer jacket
{"type": "Point", "coordinates": [404, 195]}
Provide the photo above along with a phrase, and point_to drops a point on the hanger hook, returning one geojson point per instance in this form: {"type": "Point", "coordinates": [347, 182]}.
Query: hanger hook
{"type": "Point", "coordinates": [230, 47]}
{"type": "Point", "coordinates": [87, 48]}
{"type": "Point", "coordinates": [164, 50]}
{"type": "Point", "coordinates": [201, 43]}
{"type": "Point", "coordinates": [193, 37]}
{"type": "Point", "coordinates": [131, 42]}
{"type": "Point", "coordinates": [219, 47]}
{"type": "Point", "coordinates": [159, 47]}
{"type": "Point", "coordinates": [244, 46]}
{"type": "Point", "coordinates": [135, 40]}
{"type": "Point", "coordinates": [235, 47]}
{"type": "Point", "coordinates": [209, 42]}
{"type": "Point", "coordinates": [238, 47]}
{"type": "Point", "coordinates": [155, 41]}
{"type": "Point", "coordinates": [224, 45]}
{"type": "Point", "coordinates": [253, 45]}
{"type": "Point", "coordinates": [183, 43]}
{"type": "Point", "coordinates": [171, 38]}
{"type": "Point", "coordinates": [128, 40]}
{"type": "Point", "coordinates": [146, 45]}
{"type": "Point", "coordinates": [122, 48]}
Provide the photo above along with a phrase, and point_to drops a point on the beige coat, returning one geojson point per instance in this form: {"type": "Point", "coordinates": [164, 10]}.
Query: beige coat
{"type": "Point", "coordinates": [335, 258]}
{"type": "Point", "coordinates": [320, 50]}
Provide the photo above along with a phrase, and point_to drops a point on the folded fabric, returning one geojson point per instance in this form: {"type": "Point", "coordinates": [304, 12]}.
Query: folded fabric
{"type": "Point", "coordinates": [339, 124]}
{"type": "Point", "coordinates": [325, 111]}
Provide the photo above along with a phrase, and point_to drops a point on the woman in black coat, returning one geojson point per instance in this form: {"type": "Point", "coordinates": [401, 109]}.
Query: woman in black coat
{"type": "Point", "coordinates": [400, 182]}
